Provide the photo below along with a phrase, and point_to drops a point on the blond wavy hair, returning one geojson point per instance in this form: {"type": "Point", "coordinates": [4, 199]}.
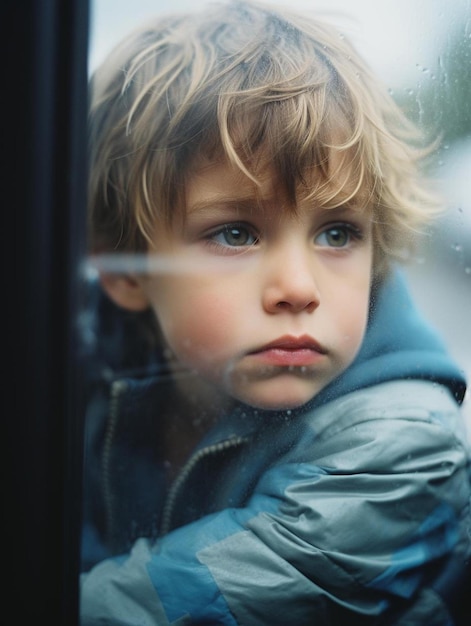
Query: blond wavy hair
{"type": "Point", "coordinates": [254, 85]}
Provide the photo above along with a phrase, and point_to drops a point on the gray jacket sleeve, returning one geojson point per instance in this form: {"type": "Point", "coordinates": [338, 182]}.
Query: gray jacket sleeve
{"type": "Point", "coordinates": [344, 529]}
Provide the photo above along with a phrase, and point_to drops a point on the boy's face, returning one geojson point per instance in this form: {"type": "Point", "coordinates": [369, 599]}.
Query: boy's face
{"type": "Point", "coordinates": [268, 305]}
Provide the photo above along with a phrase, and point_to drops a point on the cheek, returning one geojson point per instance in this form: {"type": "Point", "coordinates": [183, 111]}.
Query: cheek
{"type": "Point", "coordinates": [354, 324]}
{"type": "Point", "coordinates": [350, 315]}
{"type": "Point", "coordinates": [198, 322]}
{"type": "Point", "coordinates": [355, 320]}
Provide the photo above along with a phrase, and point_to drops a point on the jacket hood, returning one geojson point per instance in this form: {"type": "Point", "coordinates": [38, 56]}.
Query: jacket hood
{"type": "Point", "coordinates": [398, 344]}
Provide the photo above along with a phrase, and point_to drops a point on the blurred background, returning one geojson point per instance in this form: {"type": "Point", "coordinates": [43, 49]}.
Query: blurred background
{"type": "Point", "coordinates": [422, 51]}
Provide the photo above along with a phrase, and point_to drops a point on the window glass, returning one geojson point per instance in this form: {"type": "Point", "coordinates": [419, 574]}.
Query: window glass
{"type": "Point", "coordinates": [187, 408]}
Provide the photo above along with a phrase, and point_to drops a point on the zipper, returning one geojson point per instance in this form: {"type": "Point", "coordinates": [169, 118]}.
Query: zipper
{"type": "Point", "coordinates": [185, 472]}
{"type": "Point", "coordinates": [118, 387]}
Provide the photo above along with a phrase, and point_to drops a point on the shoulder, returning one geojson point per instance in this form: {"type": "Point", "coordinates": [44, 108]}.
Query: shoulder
{"type": "Point", "coordinates": [411, 400]}
{"type": "Point", "coordinates": [383, 427]}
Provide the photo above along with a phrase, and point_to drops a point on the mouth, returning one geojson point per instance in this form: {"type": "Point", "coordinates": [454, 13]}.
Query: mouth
{"type": "Point", "coordinates": [290, 351]}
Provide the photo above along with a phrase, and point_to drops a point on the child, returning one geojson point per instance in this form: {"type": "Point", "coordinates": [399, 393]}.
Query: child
{"type": "Point", "coordinates": [274, 435]}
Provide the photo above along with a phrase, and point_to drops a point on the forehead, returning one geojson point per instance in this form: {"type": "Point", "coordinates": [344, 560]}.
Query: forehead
{"type": "Point", "coordinates": [217, 183]}
{"type": "Point", "coordinates": [220, 181]}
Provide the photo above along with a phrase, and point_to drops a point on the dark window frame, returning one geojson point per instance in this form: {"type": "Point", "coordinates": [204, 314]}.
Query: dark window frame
{"type": "Point", "coordinates": [45, 56]}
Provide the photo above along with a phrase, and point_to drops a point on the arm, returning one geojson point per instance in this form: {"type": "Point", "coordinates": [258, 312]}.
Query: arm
{"type": "Point", "coordinates": [333, 541]}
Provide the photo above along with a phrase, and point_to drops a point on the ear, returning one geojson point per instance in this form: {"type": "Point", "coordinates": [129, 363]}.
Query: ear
{"type": "Point", "coordinates": [125, 291]}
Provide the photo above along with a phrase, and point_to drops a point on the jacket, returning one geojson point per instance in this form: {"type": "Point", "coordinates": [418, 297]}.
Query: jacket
{"type": "Point", "coordinates": [353, 509]}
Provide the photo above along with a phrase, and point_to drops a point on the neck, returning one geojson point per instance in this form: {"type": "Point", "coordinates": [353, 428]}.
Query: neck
{"type": "Point", "coordinates": [194, 408]}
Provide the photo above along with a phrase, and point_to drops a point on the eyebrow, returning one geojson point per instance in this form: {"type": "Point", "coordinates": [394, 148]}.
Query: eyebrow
{"type": "Point", "coordinates": [244, 205]}
{"type": "Point", "coordinates": [250, 205]}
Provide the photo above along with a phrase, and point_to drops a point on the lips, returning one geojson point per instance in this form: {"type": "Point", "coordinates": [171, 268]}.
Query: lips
{"type": "Point", "coordinates": [288, 342]}
{"type": "Point", "coordinates": [290, 351]}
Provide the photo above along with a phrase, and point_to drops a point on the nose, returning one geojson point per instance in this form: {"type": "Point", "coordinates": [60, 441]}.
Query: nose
{"type": "Point", "coordinates": [290, 283]}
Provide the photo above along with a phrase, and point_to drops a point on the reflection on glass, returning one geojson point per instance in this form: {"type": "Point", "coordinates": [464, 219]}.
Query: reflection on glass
{"type": "Point", "coordinates": [269, 416]}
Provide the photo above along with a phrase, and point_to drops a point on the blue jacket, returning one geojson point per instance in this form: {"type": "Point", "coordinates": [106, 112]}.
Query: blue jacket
{"type": "Point", "coordinates": [353, 509]}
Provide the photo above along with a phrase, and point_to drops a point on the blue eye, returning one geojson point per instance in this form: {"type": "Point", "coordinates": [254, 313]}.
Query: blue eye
{"type": "Point", "coordinates": [338, 236]}
{"type": "Point", "coordinates": [234, 235]}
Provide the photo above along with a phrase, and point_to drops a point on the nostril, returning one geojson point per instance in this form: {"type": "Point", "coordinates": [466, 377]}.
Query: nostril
{"type": "Point", "coordinates": [285, 296]}
{"type": "Point", "coordinates": [309, 305]}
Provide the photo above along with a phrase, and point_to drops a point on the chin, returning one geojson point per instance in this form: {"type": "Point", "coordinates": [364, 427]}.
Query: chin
{"type": "Point", "coordinates": [281, 392]}
{"type": "Point", "coordinates": [276, 402]}
{"type": "Point", "coordinates": [278, 406]}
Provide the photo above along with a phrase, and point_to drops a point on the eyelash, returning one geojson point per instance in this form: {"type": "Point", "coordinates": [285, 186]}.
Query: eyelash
{"type": "Point", "coordinates": [226, 229]}
{"type": "Point", "coordinates": [352, 232]}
